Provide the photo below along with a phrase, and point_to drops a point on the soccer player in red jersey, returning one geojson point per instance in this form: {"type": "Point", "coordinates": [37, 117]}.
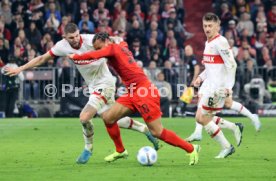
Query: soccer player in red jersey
{"type": "Point", "coordinates": [142, 96]}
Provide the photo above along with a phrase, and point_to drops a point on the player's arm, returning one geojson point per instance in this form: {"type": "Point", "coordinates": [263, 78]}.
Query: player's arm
{"type": "Point", "coordinates": [104, 52]}
{"type": "Point", "coordinates": [37, 61]}
{"type": "Point", "coordinates": [230, 64]}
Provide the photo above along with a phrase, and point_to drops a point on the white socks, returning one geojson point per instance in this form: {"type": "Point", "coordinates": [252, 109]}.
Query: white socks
{"type": "Point", "coordinates": [88, 135]}
{"type": "Point", "coordinates": [214, 131]}
{"type": "Point", "coordinates": [241, 109]}
{"type": "Point", "coordinates": [129, 123]}
{"type": "Point", "coordinates": [222, 123]}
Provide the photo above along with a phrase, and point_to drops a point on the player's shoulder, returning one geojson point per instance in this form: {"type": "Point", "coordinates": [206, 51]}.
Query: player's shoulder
{"type": "Point", "coordinates": [221, 40]}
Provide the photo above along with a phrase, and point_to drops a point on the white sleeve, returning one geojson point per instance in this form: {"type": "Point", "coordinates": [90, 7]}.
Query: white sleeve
{"type": "Point", "coordinates": [58, 49]}
{"type": "Point", "coordinates": [203, 75]}
{"type": "Point", "coordinates": [226, 54]}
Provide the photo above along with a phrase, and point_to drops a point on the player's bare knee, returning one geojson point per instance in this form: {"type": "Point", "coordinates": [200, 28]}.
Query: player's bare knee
{"type": "Point", "coordinates": [84, 117]}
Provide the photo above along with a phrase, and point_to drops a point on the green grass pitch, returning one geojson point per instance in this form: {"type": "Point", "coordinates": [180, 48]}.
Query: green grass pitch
{"type": "Point", "coordinates": [46, 149]}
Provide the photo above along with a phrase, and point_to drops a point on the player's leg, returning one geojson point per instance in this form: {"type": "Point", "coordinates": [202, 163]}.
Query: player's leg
{"type": "Point", "coordinates": [215, 132]}
{"type": "Point", "coordinates": [149, 108]}
{"type": "Point", "coordinates": [230, 104]}
{"type": "Point", "coordinates": [208, 105]}
{"type": "Point", "coordinates": [236, 128]}
{"type": "Point", "coordinates": [129, 123]}
{"type": "Point", "coordinates": [110, 117]}
{"type": "Point", "coordinates": [173, 139]}
{"type": "Point", "coordinates": [197, 134]}
{"type": "Point", "coordinates": [86, 115]}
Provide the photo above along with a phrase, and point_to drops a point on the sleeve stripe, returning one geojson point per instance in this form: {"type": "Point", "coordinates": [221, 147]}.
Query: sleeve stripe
{"type": "Point", "coordinates": [51, 53]}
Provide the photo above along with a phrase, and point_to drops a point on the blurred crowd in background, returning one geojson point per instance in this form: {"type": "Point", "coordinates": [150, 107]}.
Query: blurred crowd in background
{"type": "Point", "coordinates": [155, 31]}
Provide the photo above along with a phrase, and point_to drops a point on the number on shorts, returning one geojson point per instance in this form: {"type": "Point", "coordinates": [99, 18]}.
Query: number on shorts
{"type": "Point", "coordinates": [211, 101]}
{"type": "Point", "coordinates": [144, 109]}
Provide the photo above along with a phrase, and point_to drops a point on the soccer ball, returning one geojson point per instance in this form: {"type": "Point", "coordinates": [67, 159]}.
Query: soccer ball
{"type": "Point", "coordinates": [147, 156]}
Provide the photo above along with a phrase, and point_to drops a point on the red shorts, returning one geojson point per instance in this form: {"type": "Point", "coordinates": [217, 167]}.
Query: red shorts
{"type": "Point", "coordinates": [145, 99]}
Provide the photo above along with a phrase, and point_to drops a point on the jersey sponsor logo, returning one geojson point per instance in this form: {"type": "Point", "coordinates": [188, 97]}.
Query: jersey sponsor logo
{"type": "Point", "coordinates": [84, 62]}
{"type": "Point", "coordinates": [212, 59]}
{"type": "Point", "coordinates": [226, 52]}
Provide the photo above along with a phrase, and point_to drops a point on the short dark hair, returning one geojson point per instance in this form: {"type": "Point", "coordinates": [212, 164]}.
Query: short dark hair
{"type": "Point", "coordinates": [70, 28]}
{"type": "Point", "coordinates": [101, 35]}
{"type": "Point", "coordinates": [211, 17]}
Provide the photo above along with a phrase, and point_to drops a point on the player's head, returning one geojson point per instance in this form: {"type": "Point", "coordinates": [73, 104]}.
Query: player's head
{"type": "Point", "coordinates": [211, 25]}
{"type": "Point", "coordinates": [100, 40]}
{"type": "Point", "coordinates": [72, 35]}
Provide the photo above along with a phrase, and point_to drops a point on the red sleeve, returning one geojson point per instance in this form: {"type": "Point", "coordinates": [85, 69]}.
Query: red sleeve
{"type": "Point", "coordinates": [104, 52]}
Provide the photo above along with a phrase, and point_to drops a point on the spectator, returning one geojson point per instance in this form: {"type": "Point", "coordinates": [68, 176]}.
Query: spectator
{"type": "Point", "coordinates": [138, 12]}
{"type": "Point", "coordinates": [100, 12]}
{"type": "Point", "coordinates": [90, 24]}
{"type": "Point", "coordinates": [69, 6]}
{"type": "Point", "coordinates": [225, 16]}
{"type": "Point", "coordinates": [154, 27]}
{"type": "Point", "coordinates": [23, 38]}
{"type": "Point", "coordinates": [261, 24]}
{"type": "Point", "coordinates": [139, 53]}
{"type": "Point", "coordinates": [245, 22]}
{"type": "Point", "coordinates": [192, 64]}
{"type": "Point", "coordinates": [232, 29]}
{"type": "Point", "coordinates": [153, 70]}
{"type": "Point", "coordinates": [233, 47]}
{"type": "Point", "coordinates": [135, 32]}
{"type": "Point", "coordinates": [4, 32]}
{"type": "Point", "coordinates": [272, 18]}
{"type": "Point", "coordinates": [11, 87]}
{"type": "Point", "coordinates": [4, 51]}
{"type": "Point", "coordinates": [171, 76]}
{"type": "Point", "coordinates": [64, 22]}
{"type": "Point", "coordinates": [52, 25]}
{"type": "Point", "coordinates": [52, 12]}
{"type": "Point", "coordinates": [104, 27]}
{"type": "Point", "coordinates": [240, 7]}
{"type": "Point", "coordinates": [163, 86]}
{"type": "Point", "coordinates": [165, 91]}
{"type": "Point", "coordinates": [173, 53]}
{"type": "Point", "coordinates": [6, 12]}
{"type": "Point", "coordinates": [245, 46]}
{"type": "Point", "coordinates": [82, 9]}
{"type": "Point", "coordinates": [121, 22]}
{"type": "Point", "coordinates": [117, 10]}
{"type": "Point", "coordinates": [153, 49]}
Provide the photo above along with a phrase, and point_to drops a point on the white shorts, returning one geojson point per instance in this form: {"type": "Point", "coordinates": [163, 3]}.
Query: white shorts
{"type": "Point", "coordinates": [102, 99]}
{"type": "Point", "coordinates": [209, 102]}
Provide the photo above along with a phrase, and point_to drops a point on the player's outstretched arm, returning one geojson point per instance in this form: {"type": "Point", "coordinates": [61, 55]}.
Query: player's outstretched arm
{"type": "Point", "coordinates": [104, 52]}
{"type": "Point", "coordinates": [32, 63]}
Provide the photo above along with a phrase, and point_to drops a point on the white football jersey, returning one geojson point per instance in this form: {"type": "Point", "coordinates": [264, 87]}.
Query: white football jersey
{"type": "Point", "coordinates": [220, 65]}
{"type": "Point", "coordinates": [96, 74]}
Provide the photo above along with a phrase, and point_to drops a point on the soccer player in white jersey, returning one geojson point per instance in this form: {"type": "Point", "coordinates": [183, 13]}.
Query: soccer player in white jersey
{"type": "Point", "coordinates": [234, 105]}
{"type": "Point", "coordinates": [100, 81]}
{"type": "Point", "coordinates": [218, 80]}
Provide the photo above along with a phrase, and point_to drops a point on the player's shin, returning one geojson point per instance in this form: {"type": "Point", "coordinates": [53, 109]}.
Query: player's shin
{"type": "Point", "coordinates": [88, 134]}
{"type": "Point", "coordinates": [222, 123]}
{"type": "Point", "coordinates": [214, 131]}
{"type": "Point", "coordinates": [171, 138]}
{"type": "Point", "coordinates": [114, 133]}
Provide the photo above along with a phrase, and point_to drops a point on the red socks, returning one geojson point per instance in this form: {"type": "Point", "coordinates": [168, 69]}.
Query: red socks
{"type": "Point", "coordinates": [114, 133]}
{"type": "Point", "coordinates": [172, 139]}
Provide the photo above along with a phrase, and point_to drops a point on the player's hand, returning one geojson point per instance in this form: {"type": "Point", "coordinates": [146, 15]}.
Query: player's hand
{"type": "Point", "coordinates": [197, 82]}
{"type": "Point", "coordinates": [71, 56]}
{"type": "Point", "coordinates": [12, 71]}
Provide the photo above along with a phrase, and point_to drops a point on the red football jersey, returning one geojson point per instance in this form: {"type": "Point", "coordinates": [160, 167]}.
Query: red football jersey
{"type": "Point", "coordinates": [121, 59]}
